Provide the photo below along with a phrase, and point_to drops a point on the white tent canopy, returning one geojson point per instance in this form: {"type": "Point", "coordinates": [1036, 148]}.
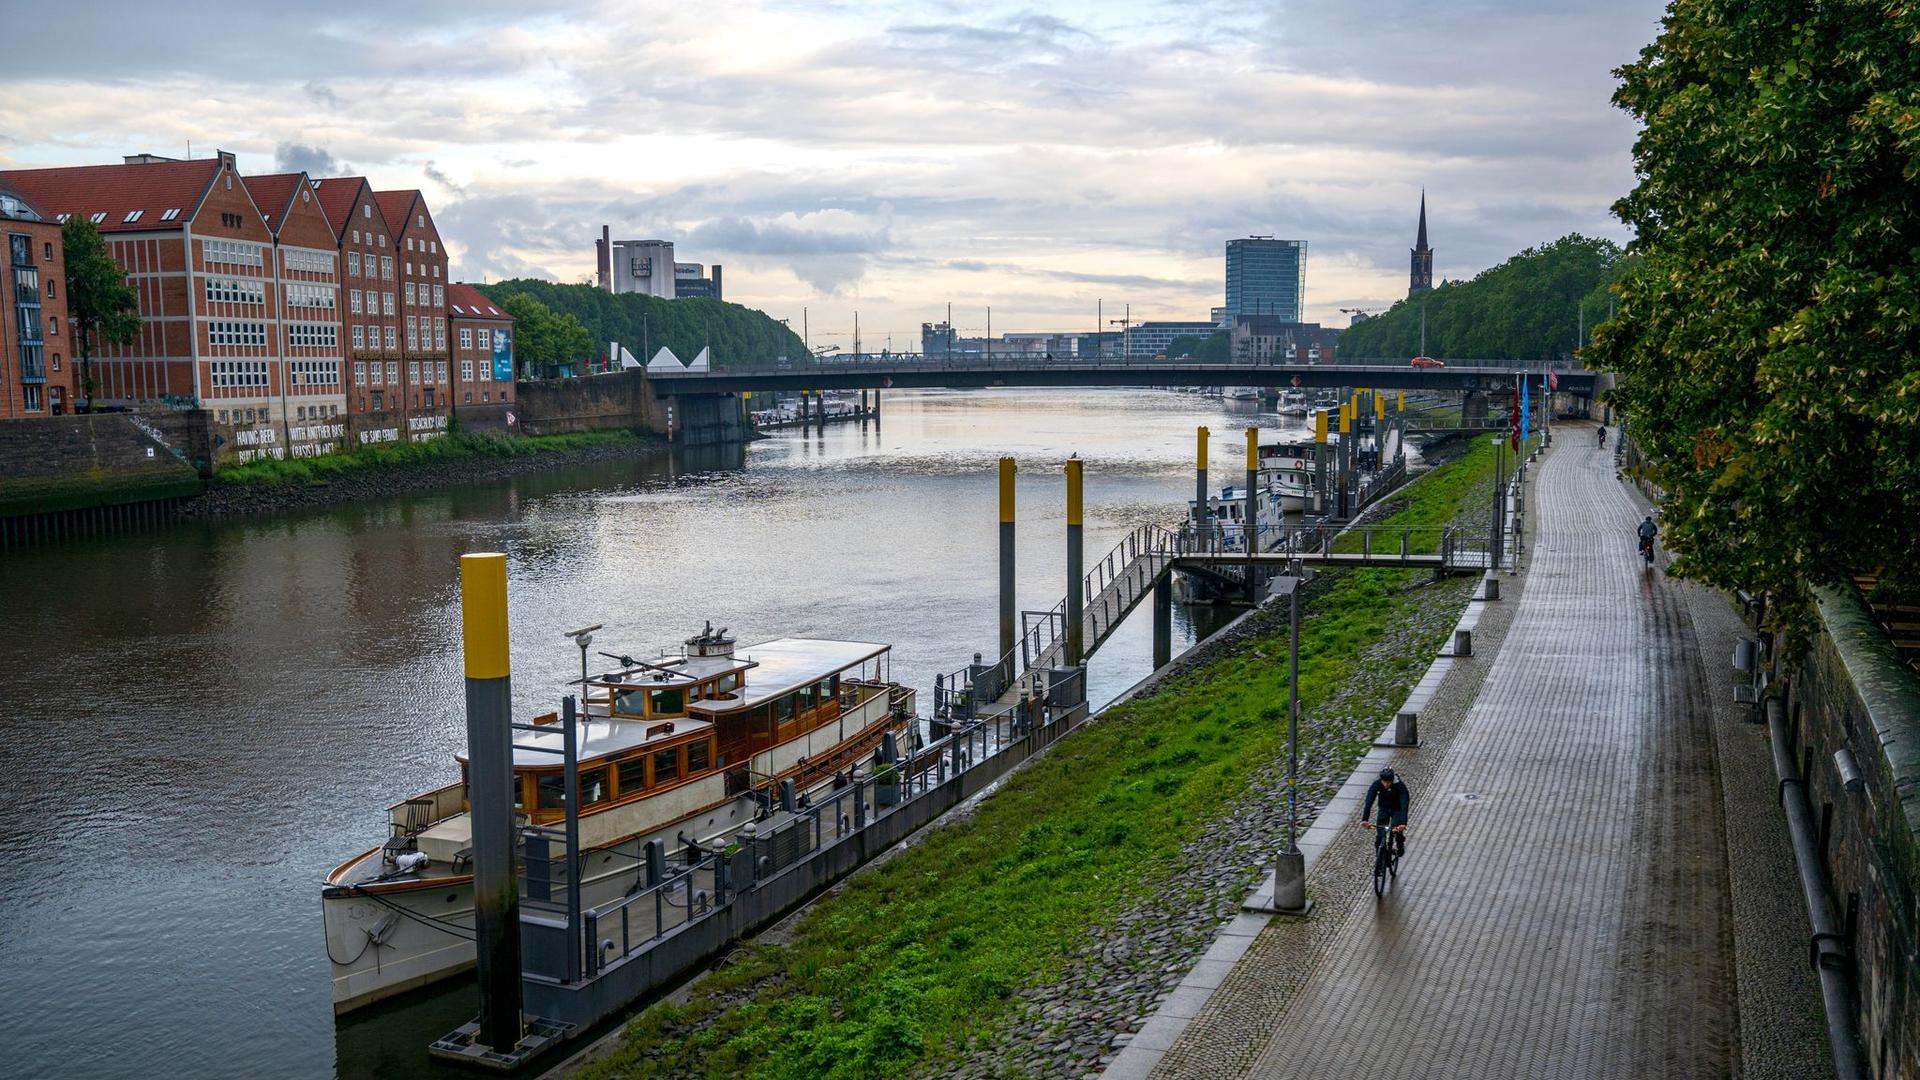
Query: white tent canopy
{"type": "Point", "coordinates": [664, 360]}
{"type": "Point", "coordinates": [703, 362]}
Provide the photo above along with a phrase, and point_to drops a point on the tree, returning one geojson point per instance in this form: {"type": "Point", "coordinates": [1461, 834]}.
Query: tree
{"type": "Point", "coordinates": [540, 336]}
{"type": "Point", "coordinates": [1528, 308]}
{"type": "Point", "coordinates": [1215, 347]}
{"type": "Point", "coordinates": [738, 335]}
{"type": "Point", "coordinates": [102, 309]}
{"type": "Point", "coordinates": [1767, 334]}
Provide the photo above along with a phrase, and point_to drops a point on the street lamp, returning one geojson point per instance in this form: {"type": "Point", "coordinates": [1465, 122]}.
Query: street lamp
{"type": "Point", "coordinates": [583, 637]}
{"type": "Point", "coordinates": [1290, 870]}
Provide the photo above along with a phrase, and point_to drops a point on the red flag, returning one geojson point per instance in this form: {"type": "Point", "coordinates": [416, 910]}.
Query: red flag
{"type": "Point", "coordinates": [1513, 435]}
{"type": "Point", "coordinates": [1553, 379]}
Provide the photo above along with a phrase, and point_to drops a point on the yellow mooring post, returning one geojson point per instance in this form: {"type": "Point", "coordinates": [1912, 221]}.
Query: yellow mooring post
{"type": "Point", "coordinates": [1401, 405]}
{"type": "Point", "coordinates": [496, 876]}
{"type": "Point", "coordinates": [1321, 417]}
{"type": "Point", "coordinates": [1251, 532]}
{"type": "Point", "coordinates": [1007, 613]}
{"type": "Point", "coordinates": [1200, 484]}
{"type": "Point", "coordinates": [1379, 407]}
{"type": "Point", "coordinates": [1076, 569]}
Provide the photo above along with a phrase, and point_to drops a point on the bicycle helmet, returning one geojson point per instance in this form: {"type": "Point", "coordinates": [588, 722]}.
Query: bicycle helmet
{"type": "Point", "coordinates": [1386, 774]}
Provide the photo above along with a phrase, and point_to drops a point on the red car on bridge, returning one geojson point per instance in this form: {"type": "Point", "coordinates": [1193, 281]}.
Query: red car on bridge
{"type": "Point", "coordinates": [1426, 361]}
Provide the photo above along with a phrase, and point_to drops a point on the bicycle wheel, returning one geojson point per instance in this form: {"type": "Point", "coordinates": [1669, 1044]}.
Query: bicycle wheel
{"type": "Point", "coordinates": [1380, 871]}
{"type": "Point", "coordinates": [1393, 866]}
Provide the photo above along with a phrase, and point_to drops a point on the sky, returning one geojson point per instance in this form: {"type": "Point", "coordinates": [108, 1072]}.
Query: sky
{"type": "Point", "coordinates": [1047, 162]}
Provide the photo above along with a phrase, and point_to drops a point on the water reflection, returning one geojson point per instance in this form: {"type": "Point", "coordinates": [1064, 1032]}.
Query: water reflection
{"type": "Point", "coordinates": [199, 724]}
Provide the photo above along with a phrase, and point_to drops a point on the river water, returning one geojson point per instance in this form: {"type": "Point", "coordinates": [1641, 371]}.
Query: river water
{"type": "Point", "coordinates": [198, 724]}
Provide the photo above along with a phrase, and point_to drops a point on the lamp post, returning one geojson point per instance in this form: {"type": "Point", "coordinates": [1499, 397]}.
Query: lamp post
{"type": "Point", "coordinates": [583, 638]}
{"type": "Point", "coordinates": [1290, 869]}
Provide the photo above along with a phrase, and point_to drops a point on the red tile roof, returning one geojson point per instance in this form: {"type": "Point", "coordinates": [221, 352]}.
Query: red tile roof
{"type": "Point", "coordinates": [273, 195]}
{"type": "Point", "coordinates": [150, 190]}
{"type": "Point", "coordinates": [466, 302]}
{"type": "Point", "coordinates": [397, 206]}
{"type": "Point", "coordinates": [337, 195]}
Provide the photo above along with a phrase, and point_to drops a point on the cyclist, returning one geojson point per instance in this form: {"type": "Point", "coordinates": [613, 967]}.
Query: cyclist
{"type": "Point", "coordinates": [1603, 434]}
{"type": "Point", "coordinates": [1648, 530]}
{"type": "Point", "coordinates": [1395, 801]}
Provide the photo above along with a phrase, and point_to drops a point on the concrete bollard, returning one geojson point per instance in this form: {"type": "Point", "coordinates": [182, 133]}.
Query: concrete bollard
{"type": "Point", "coordinates": [1406, 729]}
{"type": "Point", "coordinates": [1491, 587]}
{"type": "Point", "coordinates": [1463, 643]}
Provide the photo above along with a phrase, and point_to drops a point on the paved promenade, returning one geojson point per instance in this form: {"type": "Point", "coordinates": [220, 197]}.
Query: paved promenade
{"type": "Point", "coordinates": [1566, 908]}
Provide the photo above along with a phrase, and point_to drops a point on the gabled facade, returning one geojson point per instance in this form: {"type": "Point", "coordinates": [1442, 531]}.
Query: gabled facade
{"type": "Point", "coordinates": [426, 358]}
{"type": "Point", "coordinates": [371, 316]}
{"type": "Point", "coordinates": [198, 253]}
{"type": "Point", "coordinates": [306, 280]}
{"type": "Point", "coordinates": [482, 336]}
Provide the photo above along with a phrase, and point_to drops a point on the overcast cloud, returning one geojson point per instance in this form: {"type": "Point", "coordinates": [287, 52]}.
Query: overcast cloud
{"type": "Point", "coordinates": [889, 157]}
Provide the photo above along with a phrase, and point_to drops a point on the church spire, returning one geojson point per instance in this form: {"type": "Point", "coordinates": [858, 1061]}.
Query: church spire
{"type": "Point", "coordinates": [1420, 274]}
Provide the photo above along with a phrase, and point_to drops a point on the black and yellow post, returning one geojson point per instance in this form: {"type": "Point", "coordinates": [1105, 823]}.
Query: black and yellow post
{"type": "Point", "coordinates": [1076, 570]}
{"type": "Point", "coordinates": [1346, 457]}
{"type": "Point", "coordinates": [1007, 613]}
{"type": "Point", "coordinates": [1320, 417]}
{"type": "Point", "coordinates": [1200, 486]}
{"type": "Point", "coordinates": [496, 877]}
{"type": "Point", "coordinates": [1252, 530]}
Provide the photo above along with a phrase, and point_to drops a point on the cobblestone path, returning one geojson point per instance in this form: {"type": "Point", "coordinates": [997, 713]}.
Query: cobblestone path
{"type": "Point", "coordinates": [1563, 910]}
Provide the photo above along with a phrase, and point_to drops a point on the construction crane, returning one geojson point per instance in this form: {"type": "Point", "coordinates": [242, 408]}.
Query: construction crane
{"type": "Point", "coordinates": [1360, 311]}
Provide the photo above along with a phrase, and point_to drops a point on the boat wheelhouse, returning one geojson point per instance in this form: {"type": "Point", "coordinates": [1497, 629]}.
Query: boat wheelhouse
{"type": "Point", "coordinates": [685, 749]}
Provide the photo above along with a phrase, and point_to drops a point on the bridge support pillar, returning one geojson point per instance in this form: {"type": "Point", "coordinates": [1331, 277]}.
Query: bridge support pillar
{"type": "Point", "coordinates": [876, 408]}
{"type": "Point", "coordinates": [1473, 409]}
{"type": "Point", "coordinates": [1007, 611]}
{"type": "Point", "coordinates": [1163, 621]}
{"type": "Point", "coordinates": [1076, 570]}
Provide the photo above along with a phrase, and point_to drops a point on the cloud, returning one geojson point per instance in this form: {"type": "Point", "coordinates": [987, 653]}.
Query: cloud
{"type": "Point", "coordinates": [442, 179]}
{"type": "Point", "coordinates": [313, 160]}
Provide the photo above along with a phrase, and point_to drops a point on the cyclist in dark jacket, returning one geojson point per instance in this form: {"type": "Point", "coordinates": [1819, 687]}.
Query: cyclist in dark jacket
{"type": "Point", "coordinates": [1395, 801]}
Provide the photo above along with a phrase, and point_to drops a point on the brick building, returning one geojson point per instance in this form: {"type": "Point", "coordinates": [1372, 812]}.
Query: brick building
{"type": "Point", "coordinates": [425, 355]}
{"type": "Point", "coordinates": [482, 337]}
{"type": "Point", "coordinates": [370, 318]}
{"type": "Point", "coordinates": [36, 372]}
{"type": "Point", "coordinates": [306, 281]}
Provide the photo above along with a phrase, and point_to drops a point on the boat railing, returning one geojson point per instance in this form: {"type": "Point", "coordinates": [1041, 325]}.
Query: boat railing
{"type": "Point", "coordinates": [410, 816]}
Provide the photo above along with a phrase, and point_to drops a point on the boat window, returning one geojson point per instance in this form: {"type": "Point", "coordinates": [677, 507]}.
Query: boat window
{"type": "Point", "coordinates": [697, 756]}
{"type": "Point", "coordinates": [728, 683]}
{"type": "Point", "coordinates": [783, 708]}
{"type": "Point", "coordinates": [668, 702]}
{"type": "Point", "coordinates": [829, 688]}
{"type": "Point", "coordinates": [593, 787]}
{"type": "Point", "coordinates": [666, 765]}
{"type": "Point", "coordinates": [519, 793]}
{"type": "Point", "coordinates": [633, 775]}
{"type": "Point", "coordinates": [628, 703]}
{"type": "Point", "coordinates": [805, 695]}
{"type": "Point", "coordinates": [552, 791]}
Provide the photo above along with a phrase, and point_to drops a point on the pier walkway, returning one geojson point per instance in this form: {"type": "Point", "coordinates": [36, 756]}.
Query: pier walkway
{"type": "Point", "coordinates": [1569, 906]}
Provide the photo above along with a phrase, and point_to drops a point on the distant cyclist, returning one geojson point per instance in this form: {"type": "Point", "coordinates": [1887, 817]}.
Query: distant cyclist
{"type": "Point", "coordinates": [1648, 530]}
{"type": "Point", "coordinates": [1603, 434]}
{"type": "Point", "coordinates": [1395, 802]}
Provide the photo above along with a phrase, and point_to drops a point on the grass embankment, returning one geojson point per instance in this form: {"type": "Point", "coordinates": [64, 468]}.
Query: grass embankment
{"type": "Point", "coordinates": [456, 446]}
{"type": "Point", "coordinates": [915, 957]}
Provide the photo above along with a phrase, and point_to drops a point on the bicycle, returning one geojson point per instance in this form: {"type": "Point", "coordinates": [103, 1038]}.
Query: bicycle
{"type": "Point", "coordinates": [1386, 861]}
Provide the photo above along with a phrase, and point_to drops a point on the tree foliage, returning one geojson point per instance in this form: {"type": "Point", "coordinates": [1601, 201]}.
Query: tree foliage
{"type": "Point", "coordinates": [1766, 336]}
{"type": "Point", "coordinates": [739, 336]}
{"type": "Point", "coordinates": [1216, 347]}
{"type": "Point", "coordinates": [543, 337]}
{"type": "Point", "coordinates": [1525, 309]}
{"type": "Point", "coordinates": [102, 309]}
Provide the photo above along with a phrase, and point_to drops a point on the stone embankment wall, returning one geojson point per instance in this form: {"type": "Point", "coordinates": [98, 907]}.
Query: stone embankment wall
{"type": "Point", "coordinates": [63, 463]}
{"type": "Point", "coordinates": [1852, 692]}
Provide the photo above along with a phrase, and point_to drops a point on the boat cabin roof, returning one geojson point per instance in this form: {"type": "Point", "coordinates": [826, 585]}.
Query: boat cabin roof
{"type": "Point", "coordinates": [671, 671]}
{"type": "Point", "coordinates": [599, 738]}
{"type": "Point", "coordinates": [786, 664]}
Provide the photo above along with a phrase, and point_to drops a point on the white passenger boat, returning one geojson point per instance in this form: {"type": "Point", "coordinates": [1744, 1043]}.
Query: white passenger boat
{"type": "Point", "coordinates": [685, 748]}
{"type": "Point", "coordinates": [1227, 513]}
{"type": "Point", "coordinates": [1287, 468]}
{"type": "Point", "coordinates": [1293, 403]}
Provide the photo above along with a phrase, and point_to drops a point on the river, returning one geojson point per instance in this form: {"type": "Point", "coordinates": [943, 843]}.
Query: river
{"type": "Point", "coordinates": [198, 724]}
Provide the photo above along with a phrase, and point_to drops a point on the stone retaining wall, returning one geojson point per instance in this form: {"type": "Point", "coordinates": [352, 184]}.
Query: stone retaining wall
{"type": "Point", "coordinates": [1851, 692]}
{"type": "Point", "coordinates": [62, 463]}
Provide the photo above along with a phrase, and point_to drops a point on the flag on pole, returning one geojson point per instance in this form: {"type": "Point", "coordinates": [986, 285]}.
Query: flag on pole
{"type": "Point", "coordinates": [1526, 409]}
{"type": "Point", "coordinates": [1553, 379]}
{"type": "Point", "coordinates": [1513, 422]}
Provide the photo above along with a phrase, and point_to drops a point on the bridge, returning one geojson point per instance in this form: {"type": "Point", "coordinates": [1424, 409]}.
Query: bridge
{"type": "Point", "coordinates": [867, 373]}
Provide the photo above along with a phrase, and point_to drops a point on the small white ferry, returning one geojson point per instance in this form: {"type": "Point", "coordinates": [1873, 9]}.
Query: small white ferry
{"type": "Point", "coordinates": [684, 748]}
{"type": "Point", "coordinates": [1287, 468]}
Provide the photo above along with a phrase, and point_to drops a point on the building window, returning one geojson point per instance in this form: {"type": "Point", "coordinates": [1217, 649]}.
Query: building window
{"type": "Point", "coordinates": [31, 396]}
{"type": "Point", "coordinates": [433, 246]}
{"type": "Point", "coordinates": [50, 292]}
{"type": "Point", "coordinates": [386, 267]}
{"type": "Point", "coordinates": [390, 337]}
{"type": "Point", "coordinates": [466, 337]}
{"type": "Point", "coordinates": [353, 264]}
{"type": "Point", "coordinates": [386, 302]}
{"type": "Point", "coordinates": [359, 337]}
{"type": "Point", "coordinates": [413, 373]}
{"type": "Point", "coordinates": [56, 361]}
{"type": "Point", "coordinates": [439, 296]}
{"type": "Point", "coordinates": [439, 333]}
{"type": "Point", "coordinates": [366, 210]}
{"type": "Point", "coordinates": [393, 372]}
{"type": "Point", "coordinates": [443, 371]}
{"type": "Point", "coordinates": [353, 301]}
{"type": "Point", "coordinates": [436, 269]}
{"type": "Point", "coordinates": [49, 250]}
{"type": "Point", "coordinates": [409, 291]}
{"type": "Point", "coordinates": [466, 371]}
{"type": "Point", "coordinates": [53, 326]}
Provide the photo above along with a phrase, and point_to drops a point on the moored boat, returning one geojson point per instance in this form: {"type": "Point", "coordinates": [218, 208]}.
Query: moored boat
{"type": "Point", "coordinates": [686, 749]}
